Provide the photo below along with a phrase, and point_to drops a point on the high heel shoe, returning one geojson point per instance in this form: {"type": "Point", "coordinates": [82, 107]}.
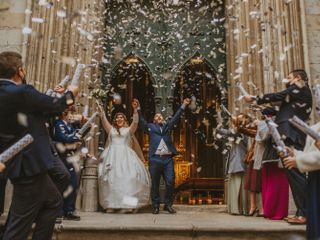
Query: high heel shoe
{"type": "Point", "coordinates": [250, 214]}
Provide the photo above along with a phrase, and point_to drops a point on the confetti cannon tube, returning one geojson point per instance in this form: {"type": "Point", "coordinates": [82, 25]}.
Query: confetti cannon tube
{"type": "Point", "coordinates": [301, 125]}
{"type": "Point", "coordinates": [225, 110]}
{"type": "Point", "coordinates": [87, 124]}
{"type": "Point", "coordinates": [64, 81]}
{"type": "Point", "coordinates": [77, 74]}
{"type": "Point", "coordinates": [242, 90]}
{"type": "Point", "coordinates": [12, 151]}
{"type": "Point", "coordinates": [280, 146]}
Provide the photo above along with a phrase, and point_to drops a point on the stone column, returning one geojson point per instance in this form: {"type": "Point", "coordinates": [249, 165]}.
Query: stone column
{"type": "Point", "coordinates": [312, 24]}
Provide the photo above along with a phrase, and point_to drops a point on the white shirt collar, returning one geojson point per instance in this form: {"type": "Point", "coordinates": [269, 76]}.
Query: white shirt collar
{"type": "Point", "coordinates": [8, 80]}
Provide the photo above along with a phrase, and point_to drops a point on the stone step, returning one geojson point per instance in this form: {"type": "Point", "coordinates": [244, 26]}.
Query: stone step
{"type": "Point", "coordinates": [213, 208]}
{"type": "Point", "coordinates": [192, 223]}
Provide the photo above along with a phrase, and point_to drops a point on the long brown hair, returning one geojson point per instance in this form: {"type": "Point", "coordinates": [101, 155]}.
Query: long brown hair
{"type": "Point", "coordinates": [114, 122]}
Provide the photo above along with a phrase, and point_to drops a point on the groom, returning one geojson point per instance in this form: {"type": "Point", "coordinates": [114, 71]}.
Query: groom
{"type": "Point", "coordinates": [161, 151]}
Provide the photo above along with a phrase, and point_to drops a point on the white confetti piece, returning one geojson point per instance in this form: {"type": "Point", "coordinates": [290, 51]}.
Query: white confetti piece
{"type": "Point", "coordinates": [22, 119]}
{"type": "Point", "coordinates": [68, 191]}
{"type": "Point", "coordinates": [43, 2]}
{"type": "Point", "coordinates": [37, 20]}
{"type": "Point", "coordinates": [27, 11]}
{"type": "Point", "coordinates": [61, 13]}
{"type": "Point", "coordinates": [84, 150]}
{"type": "Point", "coordinates": [26, 30]}
{"type": "Point", "coordinates": [68, 60]}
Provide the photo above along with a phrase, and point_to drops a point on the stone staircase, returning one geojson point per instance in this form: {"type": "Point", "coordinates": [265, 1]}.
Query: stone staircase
{"type": "Point", "coordinates": [201, 222]}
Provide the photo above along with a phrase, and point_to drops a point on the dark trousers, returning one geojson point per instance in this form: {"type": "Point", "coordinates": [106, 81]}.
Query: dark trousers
{"type": "Point", "coordinates": [35, 200]}
{"type": "Point", "coordinates": [298, 184]}
{"type": "Point", "coordinates": [60, 175]}
{"type": "Point", "coordinates": [313, 205]}
{"type": "Point", "coordinates": [69, 203]}
{"type": "Point", "coordinates": [3, 183]}
{"type": "Point", "coordinates": [161, 166]}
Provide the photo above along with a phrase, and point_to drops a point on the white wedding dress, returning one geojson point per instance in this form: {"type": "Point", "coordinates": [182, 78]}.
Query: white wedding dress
{"type": "Point", "coordinates": [124, 182]}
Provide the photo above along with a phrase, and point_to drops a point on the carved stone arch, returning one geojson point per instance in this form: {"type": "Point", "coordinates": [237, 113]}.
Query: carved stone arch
{"type": "Point", "coordinates": [198, 79]}
{"type": "Point", "coordinates": [132, 78]}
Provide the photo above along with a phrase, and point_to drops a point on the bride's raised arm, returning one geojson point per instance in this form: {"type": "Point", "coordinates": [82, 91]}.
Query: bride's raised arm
{"type": "Point", "coordinates": [105, 123]}
{"type": "Point", "coordinates": [135, 118]}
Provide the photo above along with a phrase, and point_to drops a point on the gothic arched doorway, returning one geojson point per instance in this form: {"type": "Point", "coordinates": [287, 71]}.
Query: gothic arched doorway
{"type": "Point", "coordinates": [197, 79]}
{"type": "Point", "coordinates": [131, 78]}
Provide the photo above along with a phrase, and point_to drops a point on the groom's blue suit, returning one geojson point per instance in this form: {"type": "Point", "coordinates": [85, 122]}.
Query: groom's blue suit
{"type": "Point", "coordinates": [161, 165]}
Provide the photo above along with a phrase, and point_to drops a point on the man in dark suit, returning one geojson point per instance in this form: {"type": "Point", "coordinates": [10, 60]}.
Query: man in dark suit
{"type": "Point", "coordinates": [296, 99]}
{"type": "Point", "coordinates": [161, 151]}
{"type": "Point", "coordinates": [22, 110]}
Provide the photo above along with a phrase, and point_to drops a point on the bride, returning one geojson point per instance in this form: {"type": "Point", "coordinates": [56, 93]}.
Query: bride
{"type": "Point", "coordinates": [123, 179]}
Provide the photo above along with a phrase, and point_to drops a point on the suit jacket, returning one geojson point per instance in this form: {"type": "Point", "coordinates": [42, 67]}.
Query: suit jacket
{"type": "Point", "coordinates": [309, 159]}
{"type": "Point", "coordinates": [64, 133]}
{"type": "Point", "coordinates": [156, 134]}
{"type": "Point", "coordinates": [294, 101]}
{"type": "Point", "coordinates": [24, 104]}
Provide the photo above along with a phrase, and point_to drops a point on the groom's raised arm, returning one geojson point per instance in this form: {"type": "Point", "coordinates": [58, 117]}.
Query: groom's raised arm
{"type": "Point", "coordinates": [178, 113]}
{"type": "Point", "coordinates": [142, 122]}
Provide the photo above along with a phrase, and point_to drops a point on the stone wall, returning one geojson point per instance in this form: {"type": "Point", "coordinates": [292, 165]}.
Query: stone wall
{"type": "Point", "coordinates": [313, 37]}
{"type": "Point", "coordinates": [12, 20]}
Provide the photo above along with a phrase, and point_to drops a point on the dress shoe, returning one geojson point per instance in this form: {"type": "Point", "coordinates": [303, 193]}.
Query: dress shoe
{"type": "Point", "coordinates": [297, 221]}
{"type": "Point", "coordinates": [155, 210]}
{"type": "Point", "coordinates": [58, 220]}
{"type": "Point", "coordinates": [287, 218]}
{"type": "Point", "coordinates": [169, 209]}
{"type": "Point", "coordinates": [72, 217]}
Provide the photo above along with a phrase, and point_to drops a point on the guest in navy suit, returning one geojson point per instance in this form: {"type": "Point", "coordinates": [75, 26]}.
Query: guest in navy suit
{"type": "Point", "coordinates": [161, 151]}
{"type": "Point", "coordinates": [65, 133]}
{"type": "Point", "coordinates": [22, 110]}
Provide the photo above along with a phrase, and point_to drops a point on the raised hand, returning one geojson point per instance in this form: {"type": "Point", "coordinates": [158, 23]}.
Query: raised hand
{"type": "Point", "coordinates": [2, 167]}
{"type": "Point", "coordinates": [100, 110]}
{"type": "Point", "coordinates": [135, 104]}
{"type": "Point", "coordinates": [290, 162]}
{"type": "Point", "coordinates": [74, 90]}
{"type": "Point", "coordinates": [59, 89]}
{"type": "Point", "coordinates": [187, 101]}
{"type": "Point", "coordinates": [248, 98]}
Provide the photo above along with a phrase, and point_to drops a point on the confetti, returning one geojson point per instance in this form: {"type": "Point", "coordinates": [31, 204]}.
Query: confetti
{"type": "Point", "coordinates": [68, 191]}
{"type": "Point", "coordinates": [22, 119]}
{"type": "Point", "coordinates": [84, 151]}
{"type": "Point", "coordinates": [61, 13]}
{"type": "Point", "coordinates": [26, 30]}
{"type": "Point", "coordinates": [68, 60]}
{"type": "Point", "coordinates": [37, 20]}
